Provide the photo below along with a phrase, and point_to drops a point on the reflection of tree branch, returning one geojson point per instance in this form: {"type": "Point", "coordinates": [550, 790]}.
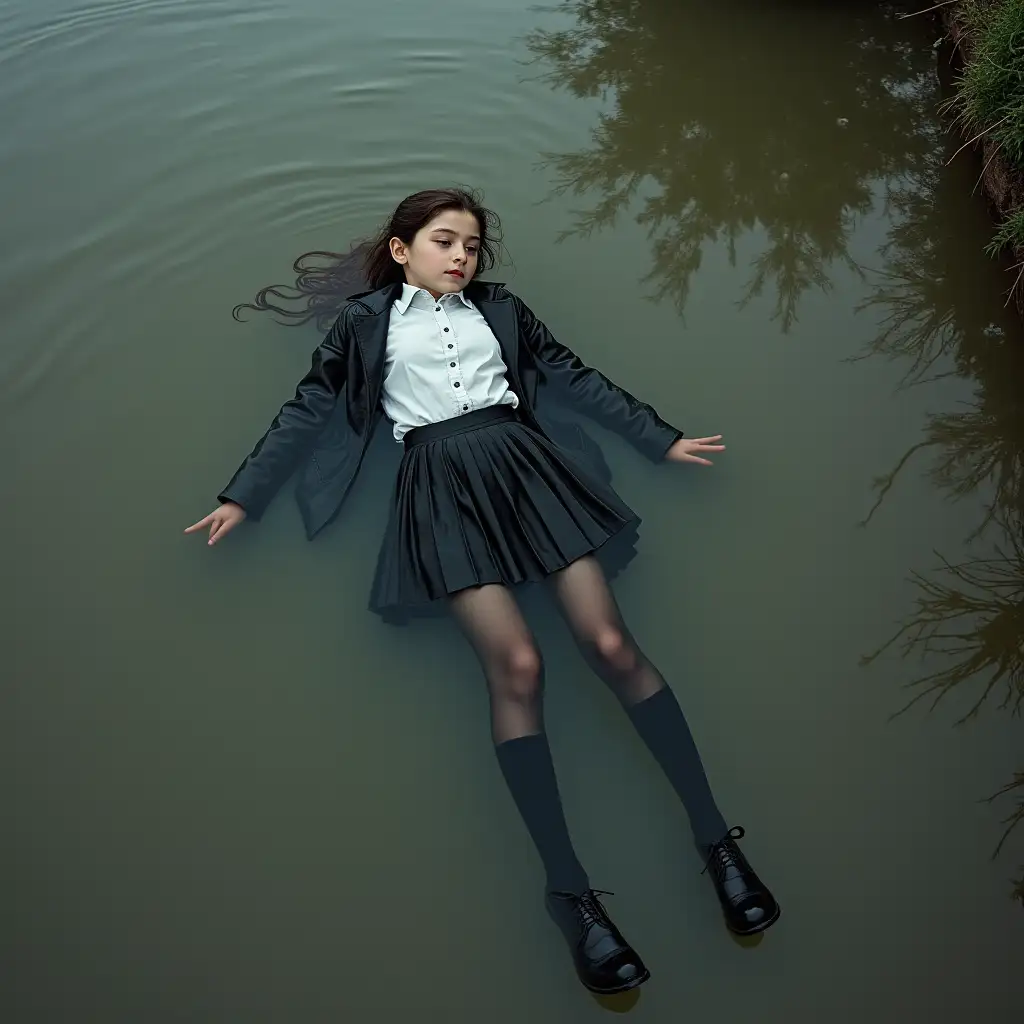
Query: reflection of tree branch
{"type": "Point", "coordinates": [884, 484]}
{"type": "Point", "coordinates": [923, 319]}
{"type": "Point", "coordinates": [974, 619]}
{"type": "Point", "coordinates": [936, 320]}
{"type": "Point", "coordinates": [796, 266]}
{"type": "Point", "coordinates": [981, 446]}
{"type": "Point", "coordinates": [1017, 815]}
{"type": "Point", "coordinates": [935, 310]}
{"type": "Point", "coordinates": [916, 328]}
{"type": "Point", "coordinates": [991, 641]}
{"type": "Point", "coordinates": [976, 622]}
{"type": "Point", "coordinates": [781, 163]}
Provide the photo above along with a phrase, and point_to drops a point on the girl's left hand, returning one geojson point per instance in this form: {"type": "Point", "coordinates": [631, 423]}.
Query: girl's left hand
{"type": "Point", "coordinates": [692, 449]}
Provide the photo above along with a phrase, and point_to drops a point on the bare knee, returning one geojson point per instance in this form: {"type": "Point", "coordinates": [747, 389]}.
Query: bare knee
{"type": "Point", "coordinates": [614, 652]}
{"type": "Point", "coordinates": [522, 673]}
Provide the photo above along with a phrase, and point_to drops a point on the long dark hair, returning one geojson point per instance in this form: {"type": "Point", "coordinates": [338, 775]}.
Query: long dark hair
{"type": "Point", "coordinates": [324, 280]}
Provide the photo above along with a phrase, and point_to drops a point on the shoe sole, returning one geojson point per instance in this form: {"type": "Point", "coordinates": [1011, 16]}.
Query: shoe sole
{"type": "Point", "coordinates": [757, 928]}
{"type": "Point", "coordinates": [629, 986]}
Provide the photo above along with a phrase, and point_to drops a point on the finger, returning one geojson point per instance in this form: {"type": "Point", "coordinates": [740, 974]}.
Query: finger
{"type": "Point", "coordinates": [711, 447]}
{"type": "Point", "coordinates": [699, 461]}
{"type": "Point", "coordinates": [222, 528]}
{"type": "Point", "coordinates": [705, 440]}
{"type": "Point", "coordinates": [200, 524]}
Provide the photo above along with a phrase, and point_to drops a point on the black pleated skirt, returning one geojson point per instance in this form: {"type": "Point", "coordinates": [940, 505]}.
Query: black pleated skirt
{"type": "Point", "coordinates": [486, 498]}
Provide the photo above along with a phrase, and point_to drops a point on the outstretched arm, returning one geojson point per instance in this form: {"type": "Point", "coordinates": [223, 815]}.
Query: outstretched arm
{"type": "Point", "coordinates": [593, 393]}
{"type": "Point", "coordinates": [296, 426]}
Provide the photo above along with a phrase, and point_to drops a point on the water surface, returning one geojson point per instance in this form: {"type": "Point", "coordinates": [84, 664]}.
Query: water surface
{"type": "Point", "coordinates": [233, 794]}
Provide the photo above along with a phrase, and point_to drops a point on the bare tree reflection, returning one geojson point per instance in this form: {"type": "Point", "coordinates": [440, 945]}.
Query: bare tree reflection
{"type": "Point", "coordinates": [972, 614]}
{"type": "Point", "coordinates": [937, 315]}
{"type": "Point", "coordinates": [935, 305]}
{"type": "Point", "coordinates": [971, 617]}
{"type": "Point", "coordinates": [914, 297]}
{"type": "Point", "coordinates": [789, 153]}
{"type": "Point", "coordinates": [1012, 821]}
{"type": "Point", "coordinates": [970, 451]}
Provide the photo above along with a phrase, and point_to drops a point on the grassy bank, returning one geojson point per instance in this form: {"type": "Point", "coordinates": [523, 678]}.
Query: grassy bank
{"type": "Point", "coordinates": [989, 104]}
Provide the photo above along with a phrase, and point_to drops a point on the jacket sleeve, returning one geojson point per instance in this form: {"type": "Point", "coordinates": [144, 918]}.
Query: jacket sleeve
{"type": "Point", "coordinates": [593, 393]}
{"type": "Point", "coordinates": [295, 427]}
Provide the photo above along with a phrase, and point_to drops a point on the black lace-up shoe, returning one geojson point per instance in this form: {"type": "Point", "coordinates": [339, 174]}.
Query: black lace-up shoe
{"type": "Point", "coordinates": [605, 962]}
{"type": "Point", "coordinates": [746, 902]}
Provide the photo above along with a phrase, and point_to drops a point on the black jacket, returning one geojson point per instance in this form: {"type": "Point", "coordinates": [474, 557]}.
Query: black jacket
{"type": "Point", "coordinates": [330, 422]}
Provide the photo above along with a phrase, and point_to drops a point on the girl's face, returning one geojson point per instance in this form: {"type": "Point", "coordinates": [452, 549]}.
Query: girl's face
{"type": "Point", "coordinates": [443, 255]}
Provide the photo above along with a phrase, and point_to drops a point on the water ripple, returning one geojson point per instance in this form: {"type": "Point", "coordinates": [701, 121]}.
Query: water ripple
{"type": "Point", "coordinates": [66, 28]}
{"type": "Point", "coordinates": [149, 138]}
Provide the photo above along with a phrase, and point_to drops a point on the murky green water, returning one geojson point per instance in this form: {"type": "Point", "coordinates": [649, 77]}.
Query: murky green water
{"type": "Point", "coordinates": [231, 793]}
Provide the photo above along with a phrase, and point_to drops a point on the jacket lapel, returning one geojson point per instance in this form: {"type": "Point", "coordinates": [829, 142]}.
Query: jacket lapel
{"type": "Point", "coordinates": [370, 325]}
{"type": "Point", "coordinates": [371, 331]}
{"type": "Point", "coordinates": [501, 318]}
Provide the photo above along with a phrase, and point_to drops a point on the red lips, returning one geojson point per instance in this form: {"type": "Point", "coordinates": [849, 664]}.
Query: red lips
{"type": "Point", "coordinates": [455, 273]}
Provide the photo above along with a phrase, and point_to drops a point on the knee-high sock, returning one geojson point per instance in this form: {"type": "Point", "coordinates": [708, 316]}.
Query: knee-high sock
{"type": "Point", "coordinates": [530, 774]}
{"type": "Point", "coordinates": [662, 725]}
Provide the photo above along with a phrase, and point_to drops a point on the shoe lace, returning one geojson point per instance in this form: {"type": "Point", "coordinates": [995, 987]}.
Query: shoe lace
{"type": "Point", "coordinates": [590, 909]}
{"type": "Point", "coordinates": [724, 854]}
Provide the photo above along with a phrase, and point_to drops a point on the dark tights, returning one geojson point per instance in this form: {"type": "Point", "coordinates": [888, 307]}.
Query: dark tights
{"type": "Point", "coordinates": [494, 625]}
{"type": "Point", "coordinates": [491, 621]}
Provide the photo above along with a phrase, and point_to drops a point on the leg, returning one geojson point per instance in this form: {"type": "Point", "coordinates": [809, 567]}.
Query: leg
{"type": "Point", "coordinates": [593, 616]}
{"type": "Point", "coordinates": [493, 624]}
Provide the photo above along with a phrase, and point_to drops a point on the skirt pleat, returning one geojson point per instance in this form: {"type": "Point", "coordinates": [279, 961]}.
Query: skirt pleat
{"type": "Point", "coordinates": [485, 498]}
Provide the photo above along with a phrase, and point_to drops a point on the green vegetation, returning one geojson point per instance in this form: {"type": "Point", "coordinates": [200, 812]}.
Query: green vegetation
{"type": "Point", "coordinates": [990, 102]}
{"type": "Point", "coordinates": [990, 97]}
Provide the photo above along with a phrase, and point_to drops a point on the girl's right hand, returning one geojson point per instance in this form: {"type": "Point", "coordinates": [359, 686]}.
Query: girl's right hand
{"type": "Point", "coordinates": [221, 521]}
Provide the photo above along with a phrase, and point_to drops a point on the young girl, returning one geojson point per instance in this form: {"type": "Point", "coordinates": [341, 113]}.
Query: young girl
{"type": "Point", "coordinates": [485, 500]}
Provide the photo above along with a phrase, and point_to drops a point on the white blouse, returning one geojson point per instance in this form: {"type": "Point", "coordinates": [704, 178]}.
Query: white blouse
{"type": "Point", "coordinates": [442, 361]}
